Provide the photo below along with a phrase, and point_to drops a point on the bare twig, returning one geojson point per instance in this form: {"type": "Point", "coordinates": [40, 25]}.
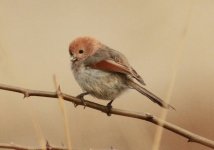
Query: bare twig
{"type": "Point", "coordinates": [192, 137]}
{"type": "Point", "coordinates": [19, 147]}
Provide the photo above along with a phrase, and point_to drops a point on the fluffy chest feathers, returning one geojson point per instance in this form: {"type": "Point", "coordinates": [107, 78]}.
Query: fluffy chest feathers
{"type": "Point", "coordinates": [100, 84]}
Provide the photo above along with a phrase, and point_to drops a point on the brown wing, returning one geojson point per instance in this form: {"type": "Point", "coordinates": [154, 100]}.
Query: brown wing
{"type": "Point", "coordinates": [113, 66]}
{"type": "Point", "coordinates": [110, 60]}
{"type": "Point", "coordinates": [110, 65]}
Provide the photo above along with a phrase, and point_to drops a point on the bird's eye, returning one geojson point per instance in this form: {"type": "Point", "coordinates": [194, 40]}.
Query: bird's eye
{"type": "Point", "coordinates": [81, 51]}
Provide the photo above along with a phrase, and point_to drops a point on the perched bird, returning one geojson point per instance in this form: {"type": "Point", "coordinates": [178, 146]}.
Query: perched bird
{"type": "Point", "coordinates": [105, 73]}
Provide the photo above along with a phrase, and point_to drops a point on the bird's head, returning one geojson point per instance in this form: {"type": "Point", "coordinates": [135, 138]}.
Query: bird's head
{"type": "Point", "coordinates": [83, 47]}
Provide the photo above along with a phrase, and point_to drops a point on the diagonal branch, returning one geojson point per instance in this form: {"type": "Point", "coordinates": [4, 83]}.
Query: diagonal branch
{"type": "Point", "coordinates": [20, 147]}
{"type": "Point", "coordinates": [192, 137]}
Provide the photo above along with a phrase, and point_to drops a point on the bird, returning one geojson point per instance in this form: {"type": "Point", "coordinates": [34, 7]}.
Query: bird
{"type": "Point", "coordinates": [105, 73]}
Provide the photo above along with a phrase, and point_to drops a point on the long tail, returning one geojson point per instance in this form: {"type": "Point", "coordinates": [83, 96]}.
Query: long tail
{"type": "Point", "coordinates": [150, 95]}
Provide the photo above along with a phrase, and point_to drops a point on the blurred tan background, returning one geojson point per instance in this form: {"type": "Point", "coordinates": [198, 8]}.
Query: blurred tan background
{"type": "Point", "coordinates": [158, 37]}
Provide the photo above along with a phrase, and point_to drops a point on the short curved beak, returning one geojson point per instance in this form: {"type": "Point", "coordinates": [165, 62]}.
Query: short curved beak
{"type": "Point", "coordinates": [73, 58]}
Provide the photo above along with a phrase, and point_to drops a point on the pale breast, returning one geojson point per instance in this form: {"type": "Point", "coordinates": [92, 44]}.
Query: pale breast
{"type": "Point", "coordinates": [101, 84]}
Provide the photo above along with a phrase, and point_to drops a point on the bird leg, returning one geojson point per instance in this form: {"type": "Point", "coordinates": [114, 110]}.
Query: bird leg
{"type": "Point", "coordinates": [81, 97]}
{"type": "Point", "coordinates": [109, 107]}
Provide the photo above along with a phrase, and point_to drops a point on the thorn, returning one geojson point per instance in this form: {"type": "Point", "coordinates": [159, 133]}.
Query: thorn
{"type": "Point", "coordinates": [48, 147]}
{"type": "Point", "coordinates": [26, 94]}
{"type": "Point", "coordinates": [59, 88]}
{"type": "Point", "coordinates": [149, 116]}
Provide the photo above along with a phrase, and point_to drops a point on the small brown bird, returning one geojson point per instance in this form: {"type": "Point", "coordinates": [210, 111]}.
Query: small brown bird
{"type": "Point", "coordinates": [105, 73]}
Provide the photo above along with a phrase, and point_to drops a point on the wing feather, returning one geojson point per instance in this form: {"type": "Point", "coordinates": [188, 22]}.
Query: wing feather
{"type": "Point", "coordinates": [112, 66]}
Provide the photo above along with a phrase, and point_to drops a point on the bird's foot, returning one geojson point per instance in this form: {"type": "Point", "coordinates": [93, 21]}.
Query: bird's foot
{"type": "Point", "coordinates": [81, 97]}
{"type": "Point", "coordinates": [109, 107]}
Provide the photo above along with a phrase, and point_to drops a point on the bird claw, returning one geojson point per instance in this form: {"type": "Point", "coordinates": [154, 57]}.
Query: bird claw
{"type": "Point", "coordinates": [109, 107]}
{"type": "Point", "coordinates": [81, 97]}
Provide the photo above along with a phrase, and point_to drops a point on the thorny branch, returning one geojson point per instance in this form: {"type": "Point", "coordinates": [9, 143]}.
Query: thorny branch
{"type": "Point", "coordinates": [20, 147]}
{"type": "Point", "coordinates": [192, 137]}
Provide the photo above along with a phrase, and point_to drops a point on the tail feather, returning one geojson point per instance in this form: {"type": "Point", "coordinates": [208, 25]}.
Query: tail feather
{"type": "Point", "coordinates": [150, 95]}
